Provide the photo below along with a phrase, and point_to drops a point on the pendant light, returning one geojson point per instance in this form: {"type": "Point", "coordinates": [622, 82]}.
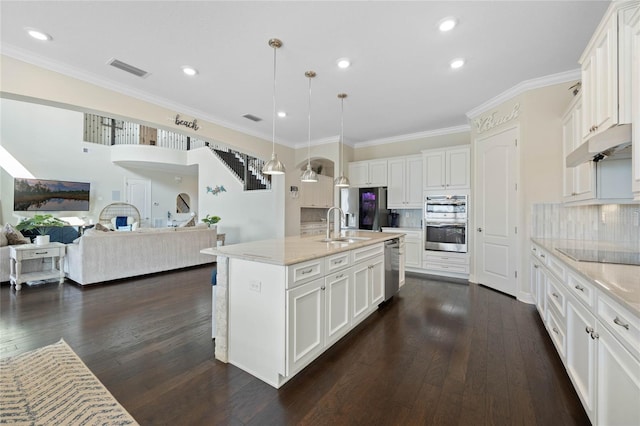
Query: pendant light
{"type": "Point", "coordinates": [274, 166]}
{"type": "Point", "coordinates": [341, 181]}
{"type": "Point", "coordinates": [309, 175]}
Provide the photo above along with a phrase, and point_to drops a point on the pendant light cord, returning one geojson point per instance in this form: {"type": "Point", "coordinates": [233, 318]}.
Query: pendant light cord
{"type": "Point", "coordinates": [341, 136]}
{"type": "Point", "coordinates": [309, 131]}
{"type": "Point", "coordinates": [273, 135]}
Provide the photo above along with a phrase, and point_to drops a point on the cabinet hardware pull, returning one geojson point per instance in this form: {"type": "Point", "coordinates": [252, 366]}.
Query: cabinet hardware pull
{"type": "Point", "coordinates": [555, 295]}
{"type": "Point", "coordinates": [535, 266]}
{"type": "Point", "coordinates": [322, 288]}
{"type": "Point", "coordinates": [589, 330]}
{"type": "Point", "coordinates": [479, 229]}
{"type": "Point", "coordinates": [534, 249]}
{"type": "Point", "coordinates": [339, 276]}
{"type": "Point", "coordinates": [41, 252]}
{"type": "Point", "coordinates": [337, 261]}
{"type": "Point", "coordinates": [620, 323]}
{"type": "Point", "coordinates": [555, 330]}
{"type": "Point", "coordinates": [579, 287]}
{"type": "Point", "coordinates": [595, 336]}
{"type": "Point", "coordinates": [306, 271]}
{"type": "Point", "coordinates": [543, 256]}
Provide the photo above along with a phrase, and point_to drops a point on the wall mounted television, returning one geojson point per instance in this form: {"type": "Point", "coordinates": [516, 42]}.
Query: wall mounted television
{"type": "Point", "coordinates": [50, 195]}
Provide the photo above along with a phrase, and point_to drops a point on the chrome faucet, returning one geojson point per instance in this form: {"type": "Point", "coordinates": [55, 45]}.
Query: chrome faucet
{"type": "Point", "coordinates": [328, 216]}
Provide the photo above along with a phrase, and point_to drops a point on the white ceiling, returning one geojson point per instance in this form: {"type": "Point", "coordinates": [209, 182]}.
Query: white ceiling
{"type": "Point", "coordinates": [399, 84]}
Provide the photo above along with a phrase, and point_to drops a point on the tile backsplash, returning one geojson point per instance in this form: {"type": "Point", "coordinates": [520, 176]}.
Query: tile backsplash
{"type": "Point", "coordinates": [611, 222]}
{"type": "Point", "coordinates": [409, 218]}
{"type": "Point", "coordinates": [308, 215]}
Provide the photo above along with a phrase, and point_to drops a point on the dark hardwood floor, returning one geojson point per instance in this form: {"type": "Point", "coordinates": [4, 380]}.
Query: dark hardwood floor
{"type": "Point", "coordinates": [440, 353]}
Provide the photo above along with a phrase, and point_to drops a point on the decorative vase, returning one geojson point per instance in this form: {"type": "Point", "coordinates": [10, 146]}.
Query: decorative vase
{"type": "Point", "coordinates": [42, 239]}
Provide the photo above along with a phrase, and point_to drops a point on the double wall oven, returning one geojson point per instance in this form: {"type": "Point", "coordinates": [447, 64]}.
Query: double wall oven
{"type": "Point", "coordinates": [445, 221]}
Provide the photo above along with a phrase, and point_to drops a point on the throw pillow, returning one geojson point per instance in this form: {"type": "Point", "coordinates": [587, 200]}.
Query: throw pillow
{"type": "Point", "coordinates": [14, 237]}
{"type": "Point", "coordinates": [101, 227]}
{"type": "Point", "coordinates": [3, 238]}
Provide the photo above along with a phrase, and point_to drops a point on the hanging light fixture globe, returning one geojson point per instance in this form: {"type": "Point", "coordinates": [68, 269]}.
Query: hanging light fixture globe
{"type": "Point", "coordinates": [341, 181]}
{"type": "Point", "coordinates": [274, 166]}
{"type": "Point", "coordinates": [309, 175]}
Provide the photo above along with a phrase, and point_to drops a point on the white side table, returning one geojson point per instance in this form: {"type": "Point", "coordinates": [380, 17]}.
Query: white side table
{"type": "Point", "coordinates": [55, 251]}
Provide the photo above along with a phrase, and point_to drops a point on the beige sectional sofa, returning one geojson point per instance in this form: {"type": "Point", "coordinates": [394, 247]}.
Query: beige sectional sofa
{"type": "Point", "coordinates": [103, 256]}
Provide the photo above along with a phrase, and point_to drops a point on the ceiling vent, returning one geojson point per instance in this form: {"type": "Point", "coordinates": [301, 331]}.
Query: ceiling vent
{"type": "Point", "coordinates": [252, 117]}
{"type": "Point", "coordinates": [128, 68]}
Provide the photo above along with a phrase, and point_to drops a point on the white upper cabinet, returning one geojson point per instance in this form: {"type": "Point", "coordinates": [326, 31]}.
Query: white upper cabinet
{"type": "Point", "coordinates": [634, 31]}
{"type": "Point", "coordinates": [404, 182]}
{"type": "Point", "coordinates": [446, 169]}
{"type": "Point", "coordinates": [606, 72]}
{"type": "Point", "coordinates": [371, 173]}
{"type": "Point", "coordinates": [317, 194]}
{"type": "Point", "coordinates": [579, 181]}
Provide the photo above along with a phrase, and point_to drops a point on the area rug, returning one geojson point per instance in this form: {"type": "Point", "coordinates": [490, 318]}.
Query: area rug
{"type": "Point", "coordinates": [52, 386]}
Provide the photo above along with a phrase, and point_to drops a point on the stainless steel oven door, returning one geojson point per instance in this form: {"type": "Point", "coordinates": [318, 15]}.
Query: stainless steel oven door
{"type": "Point", "coordinates": [439, 207]}
{"type": "Point", "coordinates": [446, 236]}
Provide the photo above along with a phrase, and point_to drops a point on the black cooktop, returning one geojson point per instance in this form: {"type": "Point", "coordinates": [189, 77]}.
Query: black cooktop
{"type": "Point", "coordinates": [602, 256]}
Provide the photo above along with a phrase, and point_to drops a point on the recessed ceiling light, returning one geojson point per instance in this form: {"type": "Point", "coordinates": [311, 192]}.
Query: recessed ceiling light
{"type": "Point", "coordinates": [343, 63]}
{"type": "Point", "coordinates": [190, 71]}
{"type": "Point", "coordinates": [38, 35]}
{"type": "Point", "coordinates": [447, 24]}
{"type": "Point", "coordinates": [457, 63]}
{"type": "Point", "coordinates": [282, 114]}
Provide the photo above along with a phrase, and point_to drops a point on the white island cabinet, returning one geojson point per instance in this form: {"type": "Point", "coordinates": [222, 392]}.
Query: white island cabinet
{"type": "Point", "coordinates": [284, 302]}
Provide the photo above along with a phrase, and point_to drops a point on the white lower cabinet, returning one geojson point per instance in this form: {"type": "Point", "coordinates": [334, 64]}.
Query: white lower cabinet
{"type": "Point", "coordinates": [338, 316]}
{"type": "Point", "coordinates": [376, 277]}
{"type": "Point", "coordinates": [281, 318]}
{"type": "Point", "coordinates": [446, 263]}
{"type": "Point", "coordinates": [581, 354]}
{"type": "Point", "coordinates": [319, 316]}
{"type": "Point", "coordinates": [322, 311]}
{"type": "Point", "coordinates": [306, 313]}
{"type": "Point", "coordinates": [596, 338]}
{"type": "Point", "coordinates": [618, 383]}
{"type": "Point", "coordinates": [412, 246]}
{"type": "Point", "coordinates": [368, 287]}
{"type": "Point", "coordinates": [360, 293]}
{"type": "Point", "coordinates": [538, 283]}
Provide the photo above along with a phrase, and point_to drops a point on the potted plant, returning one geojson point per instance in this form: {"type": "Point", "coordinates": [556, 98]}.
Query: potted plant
{"type": "Point", "coordinates": [39, 225]}
{"type": "Point", "coordinates": [211, 220]}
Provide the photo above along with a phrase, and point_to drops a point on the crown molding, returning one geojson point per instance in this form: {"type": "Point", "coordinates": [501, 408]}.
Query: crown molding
{"type": "Point", "coordinates": [24, 56]}
{"type": "Point", "coordinates": [413, 136]}
{"type": "Point", "coordinates": [534, 83]}
{"type": "Point", "coordinates": [318, 142]}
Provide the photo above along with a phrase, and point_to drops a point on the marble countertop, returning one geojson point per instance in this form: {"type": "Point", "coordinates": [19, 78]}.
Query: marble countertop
{"type": "Point", "coordinates": [291, 250]}
{"type": "Point", "coordinates": [621, 282]}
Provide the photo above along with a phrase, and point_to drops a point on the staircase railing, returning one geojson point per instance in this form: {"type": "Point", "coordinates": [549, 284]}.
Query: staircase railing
{"type": "Point", "coordinates": [110, 131]}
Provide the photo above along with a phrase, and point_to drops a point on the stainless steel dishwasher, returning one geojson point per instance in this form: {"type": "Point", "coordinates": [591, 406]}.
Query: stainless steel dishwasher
{"type": "Point", "coordinates": [391, 268]}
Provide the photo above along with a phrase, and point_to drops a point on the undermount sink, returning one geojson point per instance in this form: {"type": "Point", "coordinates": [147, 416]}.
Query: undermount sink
{"type": "Point", "coordinates": [347, 240]}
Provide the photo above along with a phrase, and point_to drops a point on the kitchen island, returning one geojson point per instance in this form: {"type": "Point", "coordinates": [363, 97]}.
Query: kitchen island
{"type": "Point", "coordinates": [280, 303]}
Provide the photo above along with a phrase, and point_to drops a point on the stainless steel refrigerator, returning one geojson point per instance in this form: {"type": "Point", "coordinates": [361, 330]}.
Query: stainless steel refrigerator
{"type": "Point", "coordinates": [364, 208]}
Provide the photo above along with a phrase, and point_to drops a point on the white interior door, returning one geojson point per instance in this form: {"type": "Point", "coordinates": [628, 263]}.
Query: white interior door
{"type": "Point", "coordinates": [139, 194]}
{"type": "Point", "coordinates": [496, 211]}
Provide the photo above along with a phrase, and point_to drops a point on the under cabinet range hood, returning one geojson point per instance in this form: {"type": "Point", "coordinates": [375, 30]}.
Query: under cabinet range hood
{"type": "Point", "coordinates": [612, 143]}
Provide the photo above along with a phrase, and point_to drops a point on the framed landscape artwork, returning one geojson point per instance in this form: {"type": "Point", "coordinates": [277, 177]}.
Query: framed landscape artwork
{"type": "Point", "coordinates": [50, 195]}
